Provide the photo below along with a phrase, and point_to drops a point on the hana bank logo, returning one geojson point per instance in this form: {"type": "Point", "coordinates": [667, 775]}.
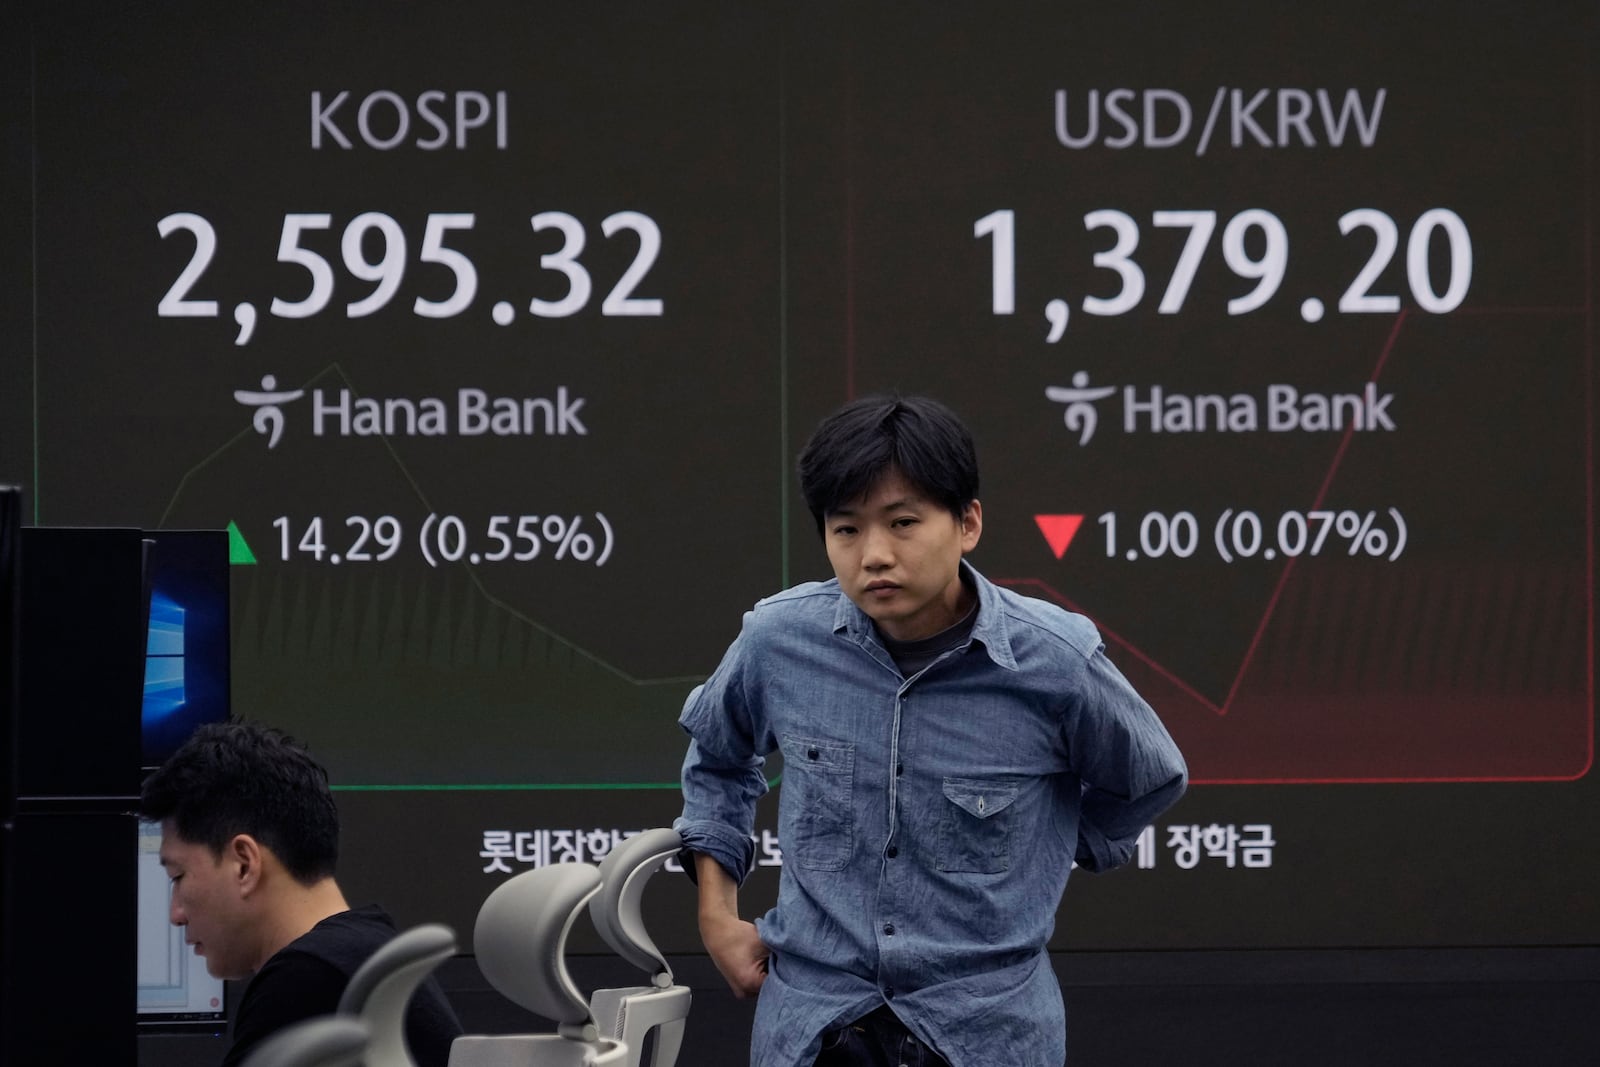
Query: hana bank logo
{"type": "Point", "coordinates": [268, 419]}
{"type": "Point", "coordinates": [1080, 413]}
{"type": "Point", "coordinates": [471, 412]}
{"type": "Point", "coordinates": [1279, 408]}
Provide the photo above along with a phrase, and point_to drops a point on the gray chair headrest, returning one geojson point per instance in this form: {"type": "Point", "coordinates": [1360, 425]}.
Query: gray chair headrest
{"type": "Point", "coordinates": [616, 909]}
{"type": "Point", "coordinates": [416, 950]}
{"type": "Point", "coordinates": [381, 990]}
{"type": "Point", "coordinates": [521, 939]}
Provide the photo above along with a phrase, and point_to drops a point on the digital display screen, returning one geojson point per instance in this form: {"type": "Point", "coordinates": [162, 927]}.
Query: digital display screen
{"type": "Point", "coordinates": [491, 336]}
{"type": "Point", "coordinates": [174, 985]}
{"type": "Point", "coordinates": [187, 653]}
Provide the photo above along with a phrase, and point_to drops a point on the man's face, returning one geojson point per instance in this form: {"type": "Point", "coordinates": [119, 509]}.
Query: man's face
{"type": "Point", "coordinates": [206, 903]}
{"type": "Point", "coordinates": [897, 555]}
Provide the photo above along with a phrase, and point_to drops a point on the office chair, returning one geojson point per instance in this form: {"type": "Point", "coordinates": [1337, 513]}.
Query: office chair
{"type": "Point", "coordinates": [631, 1013]}
{"type": "Point", "coordinates": [521, 944]}
{"type": "Point", "coordinates": [326, 1041]}
{"type": "Point", "coordinates": [381, 989]}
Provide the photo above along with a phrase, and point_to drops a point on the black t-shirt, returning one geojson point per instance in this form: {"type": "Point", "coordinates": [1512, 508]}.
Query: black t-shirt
{"type": "Point", "coordinates": [912, 656]}
{"type": "Point", "coordinates": [306, 977]}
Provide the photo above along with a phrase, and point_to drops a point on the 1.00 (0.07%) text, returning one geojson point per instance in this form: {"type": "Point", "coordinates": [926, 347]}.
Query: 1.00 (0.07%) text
{"type": "Point", "coordinates": [1240, 534]}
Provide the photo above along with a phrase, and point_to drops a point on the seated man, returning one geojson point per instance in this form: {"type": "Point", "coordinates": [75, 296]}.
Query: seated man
{"type": "Point", "coordinates": [250, 839]}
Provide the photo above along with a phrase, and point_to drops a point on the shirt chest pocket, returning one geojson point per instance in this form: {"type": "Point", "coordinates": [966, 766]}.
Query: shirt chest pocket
{"type": "Point", "coordinates": [975, 832]}
{"type": "Point", "coordinates": [817, 822]}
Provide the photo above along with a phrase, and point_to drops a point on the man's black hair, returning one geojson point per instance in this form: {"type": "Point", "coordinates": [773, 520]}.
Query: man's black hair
{"type": "Point", "coordinates": [852, 450]}
{"type": "Point", "coordinates": [244, 778]}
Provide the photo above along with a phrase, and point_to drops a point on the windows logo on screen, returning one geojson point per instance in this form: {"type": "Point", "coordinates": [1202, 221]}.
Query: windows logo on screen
{"type": "Point", "coordinates": [164, 691]}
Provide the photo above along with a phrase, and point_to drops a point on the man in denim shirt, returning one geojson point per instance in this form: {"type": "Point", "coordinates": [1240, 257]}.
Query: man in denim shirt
{"type": "Point", "coordinates": [949, 749]}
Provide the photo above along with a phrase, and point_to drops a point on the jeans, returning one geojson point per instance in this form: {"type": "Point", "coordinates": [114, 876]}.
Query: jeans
{"type": "Point", "coordinates": [877, 1039]}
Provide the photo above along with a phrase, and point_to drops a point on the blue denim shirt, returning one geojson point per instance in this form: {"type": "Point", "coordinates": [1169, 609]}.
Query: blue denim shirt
{"type": "Point", "coordinates": [928, 824]}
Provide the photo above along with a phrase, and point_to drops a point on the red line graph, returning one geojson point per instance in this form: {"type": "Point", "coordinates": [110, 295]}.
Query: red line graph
{"type": "Point", "coordinates": [1316, 504]}
{"type": "Point", "coordinates": [1162, 676]}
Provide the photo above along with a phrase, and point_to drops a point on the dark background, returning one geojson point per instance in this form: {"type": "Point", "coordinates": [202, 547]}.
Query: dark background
{"type": "Point", "coordinates": [1418, 733]}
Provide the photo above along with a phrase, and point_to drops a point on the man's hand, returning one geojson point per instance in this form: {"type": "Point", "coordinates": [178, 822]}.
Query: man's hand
{"type": "Point", "coordinates": [738, 952]}
{"type": "Point", "coordinates": [733, 943]}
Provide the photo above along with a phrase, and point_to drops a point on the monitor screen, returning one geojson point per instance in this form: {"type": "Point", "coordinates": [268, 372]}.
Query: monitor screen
{"type": "Point", "coordinates": [1279, 374]}
{"type": "Point", "coordinates": [186, 679]}
{"type": "Point", "coordinates": [186, 684]}
{"type": "Point", "coordinates": [174, 986]}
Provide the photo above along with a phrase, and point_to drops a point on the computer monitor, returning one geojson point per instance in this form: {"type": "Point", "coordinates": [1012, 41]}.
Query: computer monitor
{"type": "Point", "coordinates": [174, 986]}
{"type": "Point", "coordinates": [186, 676]}
{"type": "Point", "coordinates": [186, 684]}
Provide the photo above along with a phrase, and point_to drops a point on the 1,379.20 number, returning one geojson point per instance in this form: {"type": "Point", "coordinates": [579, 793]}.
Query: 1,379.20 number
{"type": "Point", "coordinates": [1267, 269]}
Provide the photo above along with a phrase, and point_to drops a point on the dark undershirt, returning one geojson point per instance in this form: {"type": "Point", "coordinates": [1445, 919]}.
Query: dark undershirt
{"type": "Point", "coordinates": [912, 656]}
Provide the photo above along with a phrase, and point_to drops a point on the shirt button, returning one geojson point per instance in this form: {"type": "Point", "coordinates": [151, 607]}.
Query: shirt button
{"type": "Point", "coordinates": [893, 852]}
{"type": "Point", "coordinates": [888, 992]}
{"type": "Point", "coordinates": [899, 768]}
{"type": "Point", "coordinates": [888, 928]}
{"type": "Point", "coordinates": [811, 753]}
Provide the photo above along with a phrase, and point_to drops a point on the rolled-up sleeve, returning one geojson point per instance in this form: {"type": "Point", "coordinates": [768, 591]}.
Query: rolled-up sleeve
{"type": "Point", "coordinates": [723, 770]}
{"type": "Point", "coordinates": [1131, 769]}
